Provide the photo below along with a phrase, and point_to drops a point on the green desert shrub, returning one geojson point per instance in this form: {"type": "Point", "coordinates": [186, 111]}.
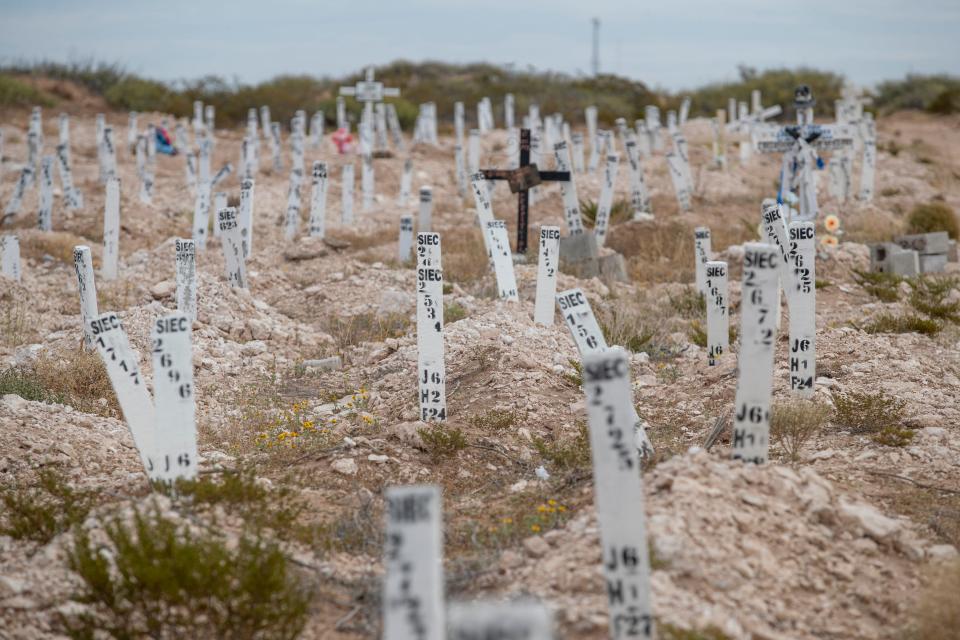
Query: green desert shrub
{"type": "Point", "coordinates": [933, 216]}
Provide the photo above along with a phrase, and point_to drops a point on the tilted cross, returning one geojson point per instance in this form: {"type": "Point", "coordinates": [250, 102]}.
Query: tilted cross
{"type": "Point", "coordinates": [799, 144]}
{"type": "Point", "coordinates": [521, 180]}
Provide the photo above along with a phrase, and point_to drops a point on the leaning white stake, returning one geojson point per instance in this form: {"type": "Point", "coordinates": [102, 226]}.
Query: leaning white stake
{"type": "Point", "coordinates": [605, 203]}
{"type": "Point", "coordinates": [10, 257]}
{"type": "Point", "coordinates": [45, 218]}
{"type": "Point", "coordinates": [502, 260]}
{"type": "Point", "coordinates": [619, 494]}
{"type": "Point", "coordinates": [701, 255]}
{"type": "Point", "coordinates": [413, 564]}
{"type": "Point", "coordinates": [758, 336]}
{"type": "Point", "coordinates": [246, 215]}
{"type": "Point", "coordinates": [123, 369]}
{"type": "Point", "coordinates": [175, 443]}
{"type": "Point", "coordinates": [568, 190]}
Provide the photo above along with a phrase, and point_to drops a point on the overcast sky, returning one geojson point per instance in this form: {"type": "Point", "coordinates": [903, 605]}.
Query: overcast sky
{"type": "Point", "coordinates": [671, 44]}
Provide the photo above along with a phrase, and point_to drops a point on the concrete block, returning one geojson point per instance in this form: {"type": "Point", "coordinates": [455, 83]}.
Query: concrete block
{"type": "Point", "coordinates": [925, 243]}
{"type": "Point", "coordinates": [578, 248]}
{"type": "Point", "coordinates": [933, 263]}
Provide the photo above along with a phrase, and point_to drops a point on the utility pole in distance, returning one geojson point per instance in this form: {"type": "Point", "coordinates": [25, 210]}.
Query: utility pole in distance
{"type": "Point", "coordinates": [595, 62]}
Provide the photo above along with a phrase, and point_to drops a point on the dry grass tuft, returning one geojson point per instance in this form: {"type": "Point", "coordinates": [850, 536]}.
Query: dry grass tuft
{"type": "Point", "coordinates": [77, 378]}
{"type": "Point", "coordinates": [366, 327]}
{"type": "Point", "coordinates": [794, 423]}
{"type": "Point", "coordinates": [464, 258]}
{"type": "Point", "coordinates": [56, 244]}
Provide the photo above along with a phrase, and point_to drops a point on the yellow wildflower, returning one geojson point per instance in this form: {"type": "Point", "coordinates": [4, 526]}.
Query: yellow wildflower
{"type": "Point", "coordinates": [535, 528]}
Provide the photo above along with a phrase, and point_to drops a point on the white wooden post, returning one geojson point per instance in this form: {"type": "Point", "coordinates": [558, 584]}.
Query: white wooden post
{"type": "Point", "coordinates": [430, 353]}
{"type": "Point", "coordinates": [548, 259]}
{"type": "Point", "coordinates": [718, 315]}
{"type": "Point", "coordinates": [186, 267]}
{"type": "Point", "coordinates": [175, 435]}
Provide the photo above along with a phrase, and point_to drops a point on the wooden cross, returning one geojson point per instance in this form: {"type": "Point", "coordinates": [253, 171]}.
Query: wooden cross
{"type": "Point", "coordinates": [521, 180]}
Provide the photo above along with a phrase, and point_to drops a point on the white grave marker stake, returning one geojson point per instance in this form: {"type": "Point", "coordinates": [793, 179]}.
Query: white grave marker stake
{"type": "Point", "coordinates": [619, 494]}
{"type": "Point", "coordinates": [346, 196]}
{"type": "Point", "coordinates": [431, 367]}
{"type": "Point", "coordinates": [413, 580]}
{"type": "Point", "coordinates": [758, 335]}
{"type": "Point", "coordinates": [123, 369]}
{"type": "Point", "coordinates": [10, 257]}
{"type": "Point", "coordinates": [701, 255]}
{"type": "Point", "coordinates": [175, 435]}
{"type": "Point", "coordinates": [219, 202]}
{"type": "Point", "coordinates": [293, 205]}
{"type": "Point", "coordinates": [639, 197]}
{"type": "Point", "coordinates": [201, 214]}
{"type": "Point", "coordinates": [367, 181]}
{"type": "Point", "coordinates": [405, 243]}
{"type": "Point", "coordinates": [16, 202]}
{"type": "Point", "coordinates": [232, 243]}
{"type": "Point", "coordinates": [480, 620]}
{"type": "Point", "coordinates": [803, 308]}
{"type": "Point", "coordinates": [111, 230]}
{"type": "Point", "coordinates": [605, 203]}
{"type": "Point", "coordinates": [86, 285]}
{"type": "Point", "coordinates": [718, 317]}
{"type": "Point", "coordinates": [186, 261]}
{"type": "Point", "coordinates": [246, 216]}
{"type": "Point", "coordinates": [549, 254]}
{"type": "Point", "coordinates": [406, 182]}
{"type": "Point", "coordinates": [318, 200]}
{"type": "Point", "coordinates": [72, 197]}
{"type": "Point", "coordinates": [425, 219]}
{"type": "Point", "coordinates": [679, 178]}
{"type": "Point", "coordinates": [502, 259]}
{"type": "Point", "coordinates": [45, 218]}
{"type": "Point", "coordinates": [568, 190]}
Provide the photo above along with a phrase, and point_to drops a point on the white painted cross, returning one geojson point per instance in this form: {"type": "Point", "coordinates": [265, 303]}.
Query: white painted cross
{"type": "Point", "coordinates": [318, 200]}
{"type": "Point", "coordinates": [109, 267]}
{"type": "Point", "coordinates": [425, 219]}
{"type": "Point", "coordinates": [413, 564]}
{"type": "Point", "coordinates": [431, 368]}
{"type": "Point", "coordinates": [618, 494]}
{"type": "Point", "coordinates": [488, 620]}
{"type": "Point", "coordinates": [758, 336]}
{"type": "Point", "coordinates": [605, 203]}
{"type": "Point", "coordinates": [502, 260]}
{"type": "Point", "coordinates": [186, 267]}
{"type": "Point", "coordinates": [123, 369]}
{"type": "Point", "coordinates": [718, 315]}
{"type": "Point", "coordinates": [232, 244]}
{"type": "Point", "coordinates": [548, 259]}
{"type": "Point", "coordinates": [10, 257]}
